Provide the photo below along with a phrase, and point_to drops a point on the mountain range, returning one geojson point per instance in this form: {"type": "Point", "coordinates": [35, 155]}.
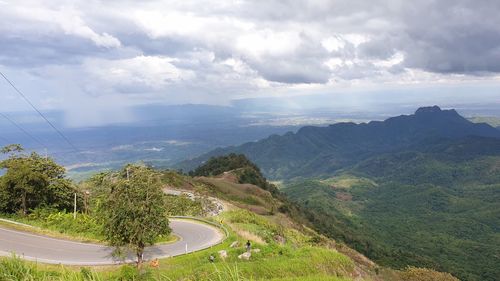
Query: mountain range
{"type": "Point", "coordinates": [320, 151]}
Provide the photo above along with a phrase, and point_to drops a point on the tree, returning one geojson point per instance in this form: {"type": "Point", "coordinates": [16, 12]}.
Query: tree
{"type": "Point", "coordinates": [31, 180]}
{"type": "Point", "coordinates": [134, 212]}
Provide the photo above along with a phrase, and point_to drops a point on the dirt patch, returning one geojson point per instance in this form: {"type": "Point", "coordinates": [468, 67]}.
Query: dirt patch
{"type": "Point", "coordinates": [229, 176]}
{"type": "Point", "coordinates": [343, 196]}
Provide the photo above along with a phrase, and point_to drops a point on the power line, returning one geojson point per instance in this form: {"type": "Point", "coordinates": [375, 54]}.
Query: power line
{"type": "Point", "coordinates": [23, 130]}
{"type": "Point", "coordinates": [40, 113]}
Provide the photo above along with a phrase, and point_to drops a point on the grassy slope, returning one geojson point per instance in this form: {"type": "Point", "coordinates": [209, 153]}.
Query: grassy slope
{"type": "Point", "coordinates": [225, 187]}
{"type": "Point", "coordinates": [302, 257]}
{"type": "Point", "coordinates": [275, 261]}
{"type": "Point", "coordinates": [342, 185]}
{"type": "Point", "coordinates": [289, 250]}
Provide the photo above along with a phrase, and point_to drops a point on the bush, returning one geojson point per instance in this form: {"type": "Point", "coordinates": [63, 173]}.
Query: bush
{"type": "Point", "coordinates": [182, 206]}
{"type": "Point", "coordinates": [423, 274]}
{"type": "Point", "coordinates": [63, 222]}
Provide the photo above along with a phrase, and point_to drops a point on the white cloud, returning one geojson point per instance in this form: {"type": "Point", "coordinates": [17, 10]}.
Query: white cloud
{"type": "Point", "coordinates": [396, 59]}
{"type": "Point", "coordinates": [140, 73]}
{"type": "Point", "coordinates": [122, 53]}
{"type": "Point", "coordinates": [334, 63]}
{"type": "Point", "coordinates": [356, 39]}
{"type": "Point", "coordinates": [160, 24]}
{"type": "Point", "coordinates": [71, 23]}
{"type": "Point", "coordinates": [268, 42]}
{"type": "Point", "coordinates": [334, 43]}
{"type": "Point", "coordinates": [45, 19]}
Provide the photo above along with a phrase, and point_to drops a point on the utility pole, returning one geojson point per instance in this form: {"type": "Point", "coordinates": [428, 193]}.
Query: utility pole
{"type": "Point", "coordinates": [74, 209]}
{"type": "Point", "coordinates": [85, 202]}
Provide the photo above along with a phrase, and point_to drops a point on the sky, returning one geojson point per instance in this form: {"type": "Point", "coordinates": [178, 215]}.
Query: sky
{"type": "Point", "coordinates": [94, 60]}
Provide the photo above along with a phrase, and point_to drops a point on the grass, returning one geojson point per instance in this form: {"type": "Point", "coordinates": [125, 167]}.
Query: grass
{"type": "Point", "coordinates": [242, 195]}
{"type": "Point", "coordinates": [14, 269]}
{"type": "Point", "coordinates": [312, 278]}
{"type": "Point", "coordinates": [39, 228]}
{"type": "Point", "coordinates": [62, 225]}
{"type": "Point", "coordinates": [346, 181]}
{"type": "Point", "coordinates": [273, 262]}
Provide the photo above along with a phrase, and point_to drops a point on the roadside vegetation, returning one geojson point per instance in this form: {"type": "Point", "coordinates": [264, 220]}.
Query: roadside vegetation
{"type": "Point", "coordinates": [285, 254]}
{"type": "Point", "coordinates": [110, 208]}
{"type": "Point", "coordinates": [32, 181]}
{"type": "Point", "coordinates": [60, 223]}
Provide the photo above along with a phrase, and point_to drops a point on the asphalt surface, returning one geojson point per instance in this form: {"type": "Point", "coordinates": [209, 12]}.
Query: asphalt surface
{"type": "Point", "coordinates": [195, 235]}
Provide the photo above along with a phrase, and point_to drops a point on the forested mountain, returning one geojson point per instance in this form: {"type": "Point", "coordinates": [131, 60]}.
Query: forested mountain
{"type": "Point", "coordinates": [420, 189]}
{"type": "Point", "coordinates": [316, 151]}
{"type": "Point", "coordinates": [437, 209]}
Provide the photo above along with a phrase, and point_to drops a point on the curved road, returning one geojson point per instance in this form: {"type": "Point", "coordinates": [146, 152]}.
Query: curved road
{"type": "Point", "coordinates": [44, 249]}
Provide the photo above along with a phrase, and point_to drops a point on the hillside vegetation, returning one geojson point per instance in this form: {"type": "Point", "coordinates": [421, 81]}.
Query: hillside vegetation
{"type": "Point", "coordinates": [283, 247]}
{"type": "Point", "coordinates": [424, 209]}
{"type": "Point", "coordinates": [286, 251]}
{"type": "Point", "coordinates": [420, 189]}
{"type": "Point", "coordinates": [299, 255]}
{"type": "Point", "coordinates": [238, 165]}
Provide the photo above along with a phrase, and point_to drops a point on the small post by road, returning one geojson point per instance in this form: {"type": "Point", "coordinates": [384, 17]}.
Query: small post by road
{"type": "Point", "coordinates": [85, 202]}
{"type": "Point", "coordinates": [186, 248]}
{"type": "Point", "coordinates": [74, 208]}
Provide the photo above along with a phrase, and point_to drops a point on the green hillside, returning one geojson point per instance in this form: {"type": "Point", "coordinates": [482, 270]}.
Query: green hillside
{"type": "Point", "coordinates": [418, 189]}
{"type": "Point", "coordinates": [238, 165]}
{"type": "Point", "coordinates": [423, 209]}
{"type": "Point", "coordinates": [284, 246]}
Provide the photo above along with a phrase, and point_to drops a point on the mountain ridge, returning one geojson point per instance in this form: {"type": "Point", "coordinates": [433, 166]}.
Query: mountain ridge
{"type": "Point", "coordinates": [313, 151]}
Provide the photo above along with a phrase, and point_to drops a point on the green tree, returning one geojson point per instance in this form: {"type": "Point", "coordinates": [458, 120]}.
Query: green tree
{"type": "Point", "coordinates": [31, 180]}
{"type": "Point", "coordinates": [134, 214]}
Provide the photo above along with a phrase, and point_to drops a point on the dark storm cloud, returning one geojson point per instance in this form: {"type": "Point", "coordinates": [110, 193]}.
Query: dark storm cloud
{"type": "Point", "coordinates": [444, 37]}
{"type": "Point", "coordinates": [293, 72]}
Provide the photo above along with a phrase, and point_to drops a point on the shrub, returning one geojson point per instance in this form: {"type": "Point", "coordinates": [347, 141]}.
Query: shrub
{"type": "Point", "coordinates": [424, 274]}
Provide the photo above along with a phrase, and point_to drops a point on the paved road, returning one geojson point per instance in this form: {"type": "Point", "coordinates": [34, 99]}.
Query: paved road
{"type": "Point", "coordinates": [33, 247]}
